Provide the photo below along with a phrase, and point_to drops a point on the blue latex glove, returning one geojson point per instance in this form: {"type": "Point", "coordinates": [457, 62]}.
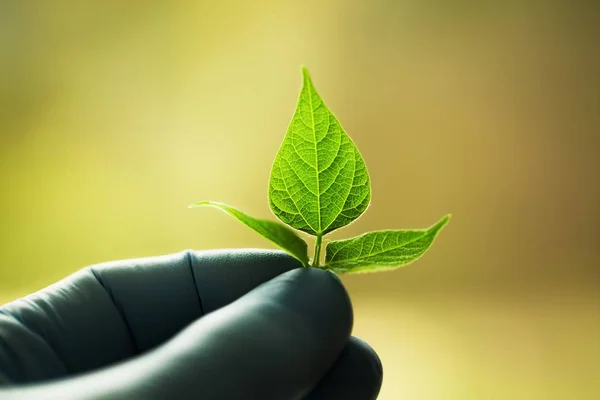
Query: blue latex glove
{"type": "Point", "coordinates": [246, 324]}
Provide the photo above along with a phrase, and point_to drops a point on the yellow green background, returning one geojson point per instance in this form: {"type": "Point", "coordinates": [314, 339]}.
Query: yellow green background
{"type": "Point", "coordinates": [115, 115]}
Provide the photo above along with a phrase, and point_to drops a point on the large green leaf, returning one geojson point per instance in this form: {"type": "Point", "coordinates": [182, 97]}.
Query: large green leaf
{"type": "Point", "coordinates": [319, 181]}
{"type": "Point", "coordinates": [380, 250]}
{"type": "Point", "coordinates": [277, 233]}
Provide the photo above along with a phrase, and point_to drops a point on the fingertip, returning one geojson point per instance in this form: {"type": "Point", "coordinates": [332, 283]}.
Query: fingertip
{"type": "Point", "coordinates": [317, 293]}
{"type": "Point", "coordinates": [372, 358]}
{"type": "Point", "coordinates": [357, 374]}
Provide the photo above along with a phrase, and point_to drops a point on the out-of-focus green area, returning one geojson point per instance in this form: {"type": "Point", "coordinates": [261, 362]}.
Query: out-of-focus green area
{"type": "Point", "coordinates": [114, 116]}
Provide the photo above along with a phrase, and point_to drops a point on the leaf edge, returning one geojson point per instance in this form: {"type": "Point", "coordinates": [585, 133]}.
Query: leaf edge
{"type": "Point", "coordinates": [225, 208]}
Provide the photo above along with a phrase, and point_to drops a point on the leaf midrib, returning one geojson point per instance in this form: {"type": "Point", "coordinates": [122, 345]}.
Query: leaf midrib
{"type": "Point", "coordinates": [312, 117]}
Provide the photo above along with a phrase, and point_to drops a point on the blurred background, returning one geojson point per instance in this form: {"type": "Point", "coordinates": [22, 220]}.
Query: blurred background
{"type": "Point", "coordinates": [114, 116]}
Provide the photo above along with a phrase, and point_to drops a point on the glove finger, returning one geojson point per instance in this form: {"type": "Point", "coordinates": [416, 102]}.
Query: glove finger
{"type": "Point", "coordinates": [275, 343]}
{"type": "Point", "coordinates": [159, 296]}
{"type": "Point", "coordinates": [357, 374]}
{"type": "Point", "coordinates": [112, 311]}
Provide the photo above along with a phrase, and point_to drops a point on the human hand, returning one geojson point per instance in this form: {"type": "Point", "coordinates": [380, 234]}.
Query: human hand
{"type": "Point", "coordinates": [246, 324]}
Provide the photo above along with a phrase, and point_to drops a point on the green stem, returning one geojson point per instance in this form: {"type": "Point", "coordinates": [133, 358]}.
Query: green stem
{"type": "Point", "coordinates": [317, 255]}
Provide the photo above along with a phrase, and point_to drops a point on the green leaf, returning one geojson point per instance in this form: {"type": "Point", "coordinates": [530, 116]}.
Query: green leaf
{"type": "Point", "coordinates": [277, 233]}
{"type": "Point", "coordinates": [319, 181]}
{"type": "Point", "coordinates": [381, 250]}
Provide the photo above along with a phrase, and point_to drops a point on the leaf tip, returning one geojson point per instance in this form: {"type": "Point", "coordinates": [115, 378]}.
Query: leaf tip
{"type": "Point", "coordinates": [305, 73]}
{"type": "Point", "coordinates": [442, 222]}
{"type": "Point", "coordinates": [199, 204]}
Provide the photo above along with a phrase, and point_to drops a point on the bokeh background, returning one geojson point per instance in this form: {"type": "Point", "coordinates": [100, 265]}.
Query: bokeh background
{"type": "Point", "coordinates": [114, 116]}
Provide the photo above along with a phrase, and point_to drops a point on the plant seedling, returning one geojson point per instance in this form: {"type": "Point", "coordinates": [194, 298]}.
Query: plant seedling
{"type": "Point", "coordinates": [319, 183]}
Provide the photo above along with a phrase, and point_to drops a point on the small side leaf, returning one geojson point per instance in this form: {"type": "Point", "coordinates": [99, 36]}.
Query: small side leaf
{"type": "Point", "coordinates": [380, 250]}
{"type": "Point", "coordinates": [277, 233]}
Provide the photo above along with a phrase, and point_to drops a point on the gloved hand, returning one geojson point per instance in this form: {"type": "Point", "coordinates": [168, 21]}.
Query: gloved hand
{"type": "Point", "coordinates": [246, 324]}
